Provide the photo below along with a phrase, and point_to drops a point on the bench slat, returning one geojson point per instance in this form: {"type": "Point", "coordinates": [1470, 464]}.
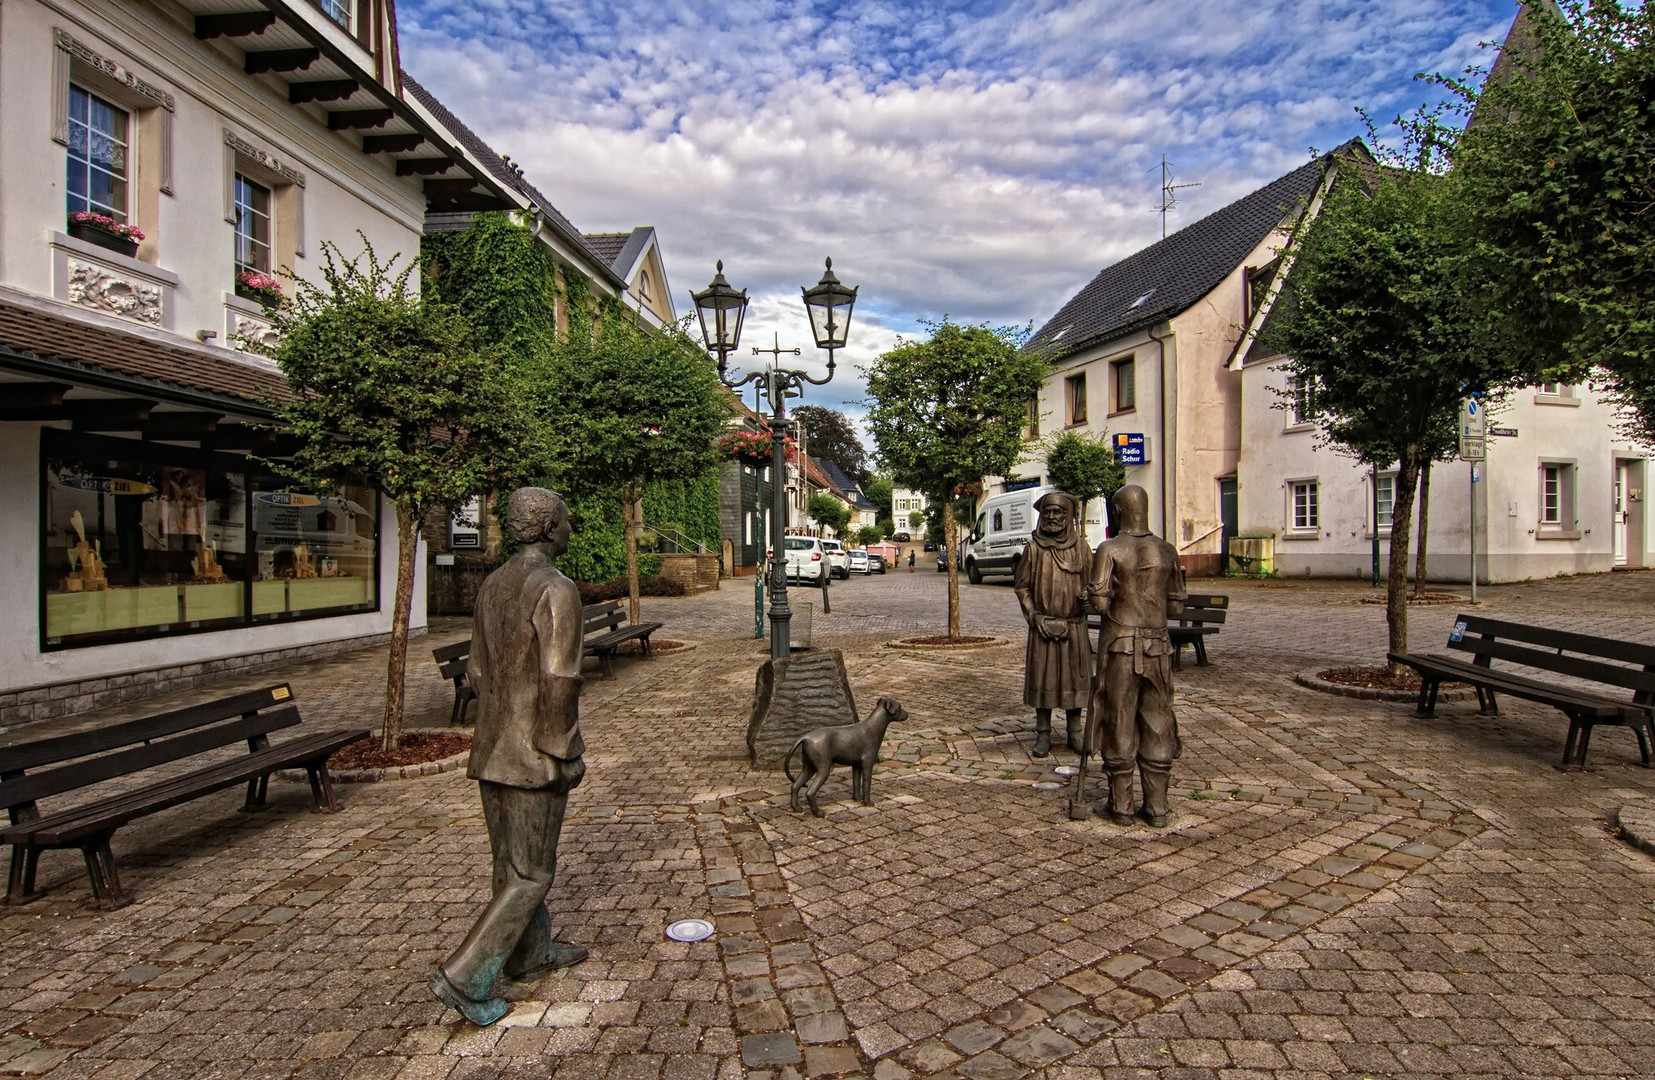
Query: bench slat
{"type": "Point", "coordinates": [457, 651]}
{"type": "Point", "coordinates": [55, 781]}
{"type": "Point", "coordinates": [1579, 667]}
{"type": "Point", "coordinates": [1510, 682]}
{"type": "Point", "coordinates": [77, 823]}
{"type": "Point", "coordinates": [48, 751]}
{"type": "Point", "coordinates": [1629, 652]}
{"type": "Point", "coordinates": [454, 669]}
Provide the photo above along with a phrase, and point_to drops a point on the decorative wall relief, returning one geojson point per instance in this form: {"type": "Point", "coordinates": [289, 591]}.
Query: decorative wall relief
{"type": "Point", "coordinates": [249, 333]}
{"type": "Point", "coordinates": [101, 289]}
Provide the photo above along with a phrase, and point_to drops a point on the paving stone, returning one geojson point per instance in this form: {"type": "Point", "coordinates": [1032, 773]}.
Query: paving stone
{"type": "Point", "coordinates": [991, 1066]}
{"type": "Point", "coordinates": [1038, 1046]}
{"type": "Point", "coordinates": [975, 1037]}
{"type": "Point", "coordinates": [759, 1051]}
{"type": "Point", "coordinates": [831, 1061]}
{"type": "Point", "coordinates": [821, 1028]}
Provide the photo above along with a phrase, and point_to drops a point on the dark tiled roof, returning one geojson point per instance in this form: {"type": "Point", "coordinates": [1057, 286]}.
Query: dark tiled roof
{"type": "Point", "coordinates": [607, 244]}
{"type": "Point", "coordinates": [497, 166]}
{"type": "Point", "coordinates": [1169, 276]}
{"type": "Point", "coordinates": [837, 475]}
{"type": "Point", "coordinates": [72, 343]}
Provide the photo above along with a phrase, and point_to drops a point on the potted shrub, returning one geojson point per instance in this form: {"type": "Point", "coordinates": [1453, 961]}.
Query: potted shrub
{"type": "Point", "coordinates": [261, 287]}
{"type": "Point", "coordinates": [106, 232]}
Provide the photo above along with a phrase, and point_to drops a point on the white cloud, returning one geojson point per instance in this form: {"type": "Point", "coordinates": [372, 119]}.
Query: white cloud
{"type": "Point", "coordinates": [983, 162]}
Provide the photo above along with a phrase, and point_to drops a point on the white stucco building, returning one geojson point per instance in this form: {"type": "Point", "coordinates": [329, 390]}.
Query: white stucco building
{"type": "Point", "coordinates": [143, 541]}
{"type": "Point", "coordinates": [1560, 493]}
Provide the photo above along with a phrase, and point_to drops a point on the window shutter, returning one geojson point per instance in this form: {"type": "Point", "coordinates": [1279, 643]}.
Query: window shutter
{"type": "Point", "coordinates": [60, 89]}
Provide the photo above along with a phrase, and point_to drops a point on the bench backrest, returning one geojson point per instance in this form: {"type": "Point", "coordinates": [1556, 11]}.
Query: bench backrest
{"type": "Point", "coordinates": [134, 745]}
{"type": "Point", "coordinates": [459, 650]}
{"type": "Point", "coordinates": [451, 660]}
{"type": "Point", "coordinates": [1204, 608]}
{"type": "Point", "coordinates": [1546, 650]}
{"type": "Point", "coordinates": [597, 618]}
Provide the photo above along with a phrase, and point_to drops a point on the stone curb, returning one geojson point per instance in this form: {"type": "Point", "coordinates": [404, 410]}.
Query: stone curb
{"type": "Point", "coordinates": [1309, 681]}
{"type": "Point", "coordinates": [1637, 824]}
{"type": "Point", "coordinates": [400, 772]}
{"type": "Point", "coordinates": [992, 643]}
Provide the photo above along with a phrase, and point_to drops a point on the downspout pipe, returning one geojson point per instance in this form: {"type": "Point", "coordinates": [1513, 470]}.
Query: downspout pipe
{"type": "Point", "coordinates": [1168, 430]}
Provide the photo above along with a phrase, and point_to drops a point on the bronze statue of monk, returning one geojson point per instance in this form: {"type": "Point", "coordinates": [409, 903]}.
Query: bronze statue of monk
{"type": "Point", "coordinates": [1051, 587]}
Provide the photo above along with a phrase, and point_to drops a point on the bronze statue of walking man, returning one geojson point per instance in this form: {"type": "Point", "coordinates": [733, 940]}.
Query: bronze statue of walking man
{"type": "Point", "coordinates": [1136, 584]}
{"type": "Point", "coordinates": [1051, 587]}
{"type": "Point", "coordinates": [525, 755]}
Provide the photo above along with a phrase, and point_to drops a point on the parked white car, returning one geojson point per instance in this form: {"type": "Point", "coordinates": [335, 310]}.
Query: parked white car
{"type": "Point", "coordinates": [858, 562]}
{"type": "Point", "coordinates": [837, 558]}
{"type": "Point", "coordinates": [806, 561]}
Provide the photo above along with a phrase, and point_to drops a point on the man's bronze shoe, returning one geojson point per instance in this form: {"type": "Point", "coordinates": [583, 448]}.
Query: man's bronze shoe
{"type": "Point", "coordinates": [481, 1013]}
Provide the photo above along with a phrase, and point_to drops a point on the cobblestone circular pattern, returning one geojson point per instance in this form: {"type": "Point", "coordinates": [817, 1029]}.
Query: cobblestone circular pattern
{"type": "Point", "coordinates": [992, 643]}
{"type": "Point", "coordinates": [1637, 824]}
{"type": "Point", "coordinates": [1309, 681]}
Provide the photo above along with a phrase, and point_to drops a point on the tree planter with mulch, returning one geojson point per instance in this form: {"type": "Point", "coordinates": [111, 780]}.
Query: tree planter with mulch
{"type": "Point", "coordinates": [943, 642]}
{"type": "Point", "coordinates": [420, 753]}
{"type": "Point", "coordinates": [1377, 684]}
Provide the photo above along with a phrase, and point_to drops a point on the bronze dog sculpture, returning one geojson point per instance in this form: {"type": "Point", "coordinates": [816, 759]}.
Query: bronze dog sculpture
{"type": "Point", "coordinates": [856, 745]}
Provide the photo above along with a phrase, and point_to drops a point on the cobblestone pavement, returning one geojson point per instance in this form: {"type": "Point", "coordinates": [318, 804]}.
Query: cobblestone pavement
{"type": "Point", "coordinates": [1344, 891]}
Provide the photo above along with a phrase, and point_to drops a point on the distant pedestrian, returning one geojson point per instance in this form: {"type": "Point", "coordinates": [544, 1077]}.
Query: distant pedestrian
{"type": "Point", "coordinates": [910, 560]}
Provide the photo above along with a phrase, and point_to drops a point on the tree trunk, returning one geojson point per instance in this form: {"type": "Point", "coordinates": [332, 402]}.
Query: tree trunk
{"type": "Point", "coordinates": [1424, 514]}
{"type": "Point", "coordinates": [396, 666]}
{"type": "Point", "coordinates": [951, 543]}
{"type": "Point", "coordinates": [632, 511]}
{"type": "Point", "coordinates": [1396, 592]}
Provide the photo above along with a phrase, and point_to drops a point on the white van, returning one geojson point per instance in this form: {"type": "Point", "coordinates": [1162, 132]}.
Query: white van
{"type": "Point", "coordinates": [1002, 530]}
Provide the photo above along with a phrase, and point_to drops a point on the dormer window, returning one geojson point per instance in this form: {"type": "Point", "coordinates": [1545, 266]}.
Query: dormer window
{"type": "Point", "coordinates": [643, 285]}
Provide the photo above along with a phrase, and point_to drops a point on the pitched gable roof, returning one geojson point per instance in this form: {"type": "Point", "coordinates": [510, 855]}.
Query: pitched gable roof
{"type": "Point", "coordinates": [607, 244]}
{"type": "Point", "coordinates": [1169, 276]}
{"type": "Point", "coordinates": [505, 174]}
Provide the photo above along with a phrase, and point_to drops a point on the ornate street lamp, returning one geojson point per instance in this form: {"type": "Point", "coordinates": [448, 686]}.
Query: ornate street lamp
{"type": "Point", "coordinates": [721, 309]}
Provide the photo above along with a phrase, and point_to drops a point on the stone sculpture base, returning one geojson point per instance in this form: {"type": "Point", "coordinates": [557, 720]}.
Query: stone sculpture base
{"type": "Point", "coordinates": [794, 695]}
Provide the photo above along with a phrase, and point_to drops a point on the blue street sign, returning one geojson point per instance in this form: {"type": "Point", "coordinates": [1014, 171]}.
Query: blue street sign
{"type": "Point", "coordinates": [1129, 448]}
{"type": "Point", "coordinates": [1019, 485]}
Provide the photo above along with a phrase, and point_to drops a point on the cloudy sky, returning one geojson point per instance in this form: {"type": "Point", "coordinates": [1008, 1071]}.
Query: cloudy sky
{"type": "Point", "coordinates": [981, 160]}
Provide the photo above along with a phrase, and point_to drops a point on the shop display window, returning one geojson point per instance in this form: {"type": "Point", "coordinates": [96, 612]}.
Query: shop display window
{"type": "Point", "coordinates": [142, 539]}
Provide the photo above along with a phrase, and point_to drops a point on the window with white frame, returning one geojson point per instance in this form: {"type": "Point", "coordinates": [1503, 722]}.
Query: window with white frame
{"type": "Point", "coordinates": [337, 10]}
{"type": "Point", "coordinates": [99, 157]}
{"type": "Point", "coordinates": [253, 231]}
{"type": "Point", "coordinates": [1306, 513]}
{"type": "Point", "coordinates": [1302, 400]}
{"type": "Point", "coordinates": [1384, 500]}
{"type": "Point", "coordinates": [1557, 496]}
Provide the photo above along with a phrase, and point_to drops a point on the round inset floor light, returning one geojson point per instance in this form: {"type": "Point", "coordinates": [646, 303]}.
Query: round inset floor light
{"type": "Point", "coordinates": [690, 930]}
{"type": "Point", "coordinates": [1048, 785]}
{"type": "Point", "coordinates": [1065, 770]}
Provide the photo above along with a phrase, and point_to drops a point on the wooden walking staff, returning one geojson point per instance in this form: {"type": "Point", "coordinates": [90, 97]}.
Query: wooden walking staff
{"type": "Point", "coordinates": [1078, 808]}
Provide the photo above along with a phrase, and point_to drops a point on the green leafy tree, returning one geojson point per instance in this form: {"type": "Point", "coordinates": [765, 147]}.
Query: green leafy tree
{"type": "Point", "coordinates": [1559, 172]}
{"type": "Point", "coordinates": [878, 491]}
{"type": "Point", "coordinates": [870, 534]}
{"type": "Point", "coordinates": [1389, 318]}
{"type": "Point", "coordinates": [1085, 466]}
{"type": "Point", "coordinates": [634, 408]}
{"type": "Point", "coordinates": [950, 410]}
{"type": "Point", "coordinates": [829, 434]}
{"type": "Point", "coordinates": [827, 510]}
{"type": "Point", "coordinates": [394, 392]}
{"type": "Point", "coordinates": [916, 518]}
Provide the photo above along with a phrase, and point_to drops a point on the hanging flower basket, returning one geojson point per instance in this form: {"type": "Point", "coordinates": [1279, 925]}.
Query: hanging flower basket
{"type": "Point", "coordinates": [260, 287]}
{"type": "Point", "coordinates": [106, 232]}
{"type": "Point", "coordinates": [753, 448]}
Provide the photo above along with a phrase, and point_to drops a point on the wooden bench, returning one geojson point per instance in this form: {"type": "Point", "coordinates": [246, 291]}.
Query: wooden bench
{"type": "Point", "coordinates": [451, 661]}
{"type": "Point", "coordinates": [33, 771]}
{"type": "Point", "coordinates": [1202, 615]}
{"type": "Point", "coordinates": [605, 629]}
{"type": "Point", "coordinates": [1603, 665]}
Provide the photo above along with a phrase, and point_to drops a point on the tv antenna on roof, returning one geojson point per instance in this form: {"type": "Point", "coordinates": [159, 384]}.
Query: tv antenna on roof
{"type": "Point", "coordinates": [1169, 193]}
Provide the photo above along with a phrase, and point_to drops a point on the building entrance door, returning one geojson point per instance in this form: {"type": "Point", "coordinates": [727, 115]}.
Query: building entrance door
{"type": "Point", "coordinates": [1230, 515]}
{"type": "Point", "coordinates": [1621, 485]}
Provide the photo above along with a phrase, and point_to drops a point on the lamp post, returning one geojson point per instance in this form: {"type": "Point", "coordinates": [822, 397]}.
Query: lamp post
{"type": "Point", "coordinates": [721, 309]}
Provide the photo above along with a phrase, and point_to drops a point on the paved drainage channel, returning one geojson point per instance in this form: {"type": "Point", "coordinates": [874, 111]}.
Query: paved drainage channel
{"type": "Point", "coordinates": [786, 1014]}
